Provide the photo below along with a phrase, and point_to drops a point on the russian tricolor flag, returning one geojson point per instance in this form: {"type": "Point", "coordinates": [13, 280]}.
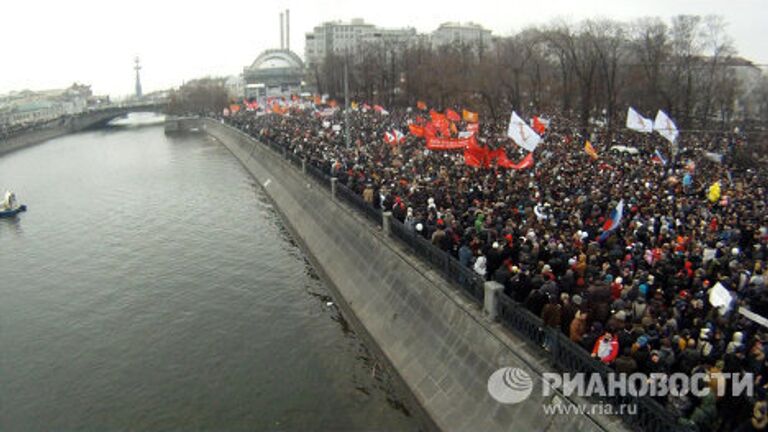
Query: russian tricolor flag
{"type": "Point", "coordinates": [657, 157]}
{"type": "Point", "coordinates": [613, 221]}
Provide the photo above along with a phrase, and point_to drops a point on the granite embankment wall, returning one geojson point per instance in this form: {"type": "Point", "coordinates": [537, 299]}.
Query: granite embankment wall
{"type": "Point", "coordinates": [63, 127]}
{"type": "Point", "coordinates": [435, 338]}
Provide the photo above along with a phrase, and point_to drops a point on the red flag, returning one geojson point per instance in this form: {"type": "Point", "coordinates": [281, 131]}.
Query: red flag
{"type": "Point", "coordinates": [421, 105]}
{"type": "Point", "coordinates": [499, 156]}
{"type": "Point", "coordinates": [440, 123]}
{"type": "Point", "coordinates": [416, 130]}
{"type": "Point", "coordinates": [473, 127]}
{"type": "Point", "coordinates": [527, 162]}
{"type": "Point", "coordinates": [482, 156]}
{"type": "Point", "coordinates": [476, 156]}
{"type": "Point", "coordinates": [452, 115]}
{"type": "Point", "coordinates": [430, 131]}
{"type": "Point", "coordinates": [471, 159]}
{"type": "Point", "coordinates": [538, 125]}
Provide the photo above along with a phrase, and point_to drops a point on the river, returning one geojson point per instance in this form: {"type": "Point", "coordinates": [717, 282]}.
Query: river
{"type": "Point", "coordinates": [152, 286]}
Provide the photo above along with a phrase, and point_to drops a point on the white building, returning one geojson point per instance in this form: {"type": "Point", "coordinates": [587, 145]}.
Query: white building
{"type": "Point", "coordinates": [337, 37]}
{"type": "Point", "coordinates": [452, 33]}
{"type": "Point", "coordinates": [235, 85]}
{"type": "Point", "coordinates": [41, 106]}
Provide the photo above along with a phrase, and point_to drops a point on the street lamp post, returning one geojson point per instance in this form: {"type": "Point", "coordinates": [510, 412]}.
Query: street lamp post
{"type": "Point", "coordinates": [346, 103]}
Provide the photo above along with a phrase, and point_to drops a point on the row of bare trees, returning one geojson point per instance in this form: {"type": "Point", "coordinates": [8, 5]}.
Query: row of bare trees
{"type": "Point", "coordinates": [592, 69]}
{"type": "Point", "coordinates": [200, 96]}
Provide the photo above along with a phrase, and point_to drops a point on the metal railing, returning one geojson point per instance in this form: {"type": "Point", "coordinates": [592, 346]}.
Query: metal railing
{"type": "Point", "coordinates": [569, 357]}
{"type": "Point", "coordinates": [564, 353]}
{"type": "Point", "coordinates": [450, 267]}
{"type": "Point", "coordinates": [318, 174]}
{"type": "Point", "coordinates": [359, 203]}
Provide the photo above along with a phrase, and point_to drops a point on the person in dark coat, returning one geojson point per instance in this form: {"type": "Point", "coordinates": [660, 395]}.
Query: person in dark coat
{"type": "Point", "coordinates": [625, 363]}
{"type": "Point", "coordinates": [568, 313]}
{"type": "Point", "coordinates": [536, 301]}
{"type": "Point", "coordinates": [551, 313]}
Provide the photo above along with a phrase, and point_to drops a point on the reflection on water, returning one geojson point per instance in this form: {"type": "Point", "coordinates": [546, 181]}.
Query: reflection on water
{"type": "Point", "coordinates": [138, 119]}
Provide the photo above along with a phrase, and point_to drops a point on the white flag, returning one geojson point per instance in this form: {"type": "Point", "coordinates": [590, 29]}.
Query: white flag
{"type": "Point", "coordinates": [522, 134]}
{"type": "Point", "coordinates": [720, 298]}
{"type": "Point", "coordinates": [665, 126]}
{"type": "Point", "coordinates": [714, 157]}
{"type": "Point", "coordinates": [637, 122]}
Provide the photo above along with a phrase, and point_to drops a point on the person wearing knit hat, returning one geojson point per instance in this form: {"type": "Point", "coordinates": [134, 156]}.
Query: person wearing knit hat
{"type": "Point", "coordinates": [642, 341]}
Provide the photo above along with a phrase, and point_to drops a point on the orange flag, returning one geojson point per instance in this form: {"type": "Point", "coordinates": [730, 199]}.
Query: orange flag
{"type": "Point", "coordinates": [469, 116]}
{"type": "Point", "coordinates": [590, 150]}
{"type": "Point", "coordinates": [421, 105]}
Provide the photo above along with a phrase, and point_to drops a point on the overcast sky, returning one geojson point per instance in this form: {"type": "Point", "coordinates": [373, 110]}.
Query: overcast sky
{"type": "Point", "coordinates": [52, 43]}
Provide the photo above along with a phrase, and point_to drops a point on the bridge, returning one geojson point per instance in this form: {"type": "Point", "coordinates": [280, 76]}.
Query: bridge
{"type": "Point", "coordinates": [99, 117]}
{"type": "Point", "coordinates": [90, 119]}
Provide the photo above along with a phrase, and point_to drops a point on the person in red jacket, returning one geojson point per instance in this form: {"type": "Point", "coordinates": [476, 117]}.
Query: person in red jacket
{"type": "Point", "coordinates": [606, 348]}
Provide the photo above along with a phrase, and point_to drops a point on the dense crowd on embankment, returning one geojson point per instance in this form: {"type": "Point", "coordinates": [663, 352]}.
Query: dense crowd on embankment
{"type": "Point", "coordinates": [636, 296]}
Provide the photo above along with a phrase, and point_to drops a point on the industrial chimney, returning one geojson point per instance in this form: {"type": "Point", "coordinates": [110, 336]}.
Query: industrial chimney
{"type": "Point", "coordinates": [282, 36]}
{"type": "Point", "coordinates": [288, 29]}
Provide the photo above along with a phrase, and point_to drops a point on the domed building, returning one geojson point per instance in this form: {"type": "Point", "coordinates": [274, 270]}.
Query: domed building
{"type": "Point", "coordinates": [275, 72]}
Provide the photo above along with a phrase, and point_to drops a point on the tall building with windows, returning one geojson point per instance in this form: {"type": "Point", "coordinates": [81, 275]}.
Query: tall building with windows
{"type": "Point", "coordinates": [337, 37]}
{"type": "Point", "coordinates": [457, 33]}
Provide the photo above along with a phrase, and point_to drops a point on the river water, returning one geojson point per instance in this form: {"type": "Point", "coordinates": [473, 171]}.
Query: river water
{"type": "Point", "coordinates": [151, 286]}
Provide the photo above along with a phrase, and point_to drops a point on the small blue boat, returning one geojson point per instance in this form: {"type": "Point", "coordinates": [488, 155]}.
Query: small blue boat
{"type": "Point", "coordinates": [9, 208]}
{"type": "Point", "coordinates": [13, 212]}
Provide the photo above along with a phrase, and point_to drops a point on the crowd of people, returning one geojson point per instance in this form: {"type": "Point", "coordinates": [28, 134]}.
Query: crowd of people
{"type": "Point", "coordinates": [636, 298]}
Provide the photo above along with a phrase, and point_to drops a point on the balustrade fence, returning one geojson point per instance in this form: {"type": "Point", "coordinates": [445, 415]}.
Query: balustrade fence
{"type": "Point", "coordinates": [567, 356]}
